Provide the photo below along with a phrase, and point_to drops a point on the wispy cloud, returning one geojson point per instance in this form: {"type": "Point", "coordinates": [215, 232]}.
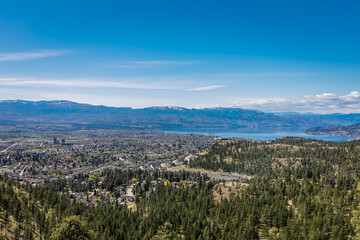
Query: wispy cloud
{"type": "Point", "coordinates": [83, 83]}
{"type": "Point", "coordinates": [207, 88]}
{"type": "Point", "coordinates": [271, 74]}
{"type": "Point", "coordinates": [321, 103]}
{"type": "Point", "coordinates": [149, 64]}
{"type": "Point", "coordinates": [22, 56]}
{"type": "Point", "coordinates": [141, 83]}
{"type": "Point", "coordinates": [162, 62]}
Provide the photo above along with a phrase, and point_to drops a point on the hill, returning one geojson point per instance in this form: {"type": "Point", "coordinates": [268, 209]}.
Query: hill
{"type": "Point", "coordinates": [310, 178]}
{"type": "Point", "coordinates": [347, 131]}
{"type": "Point", "coordinates": [300, 189]}
{"type": "Point", "coordinates": [79, 116]}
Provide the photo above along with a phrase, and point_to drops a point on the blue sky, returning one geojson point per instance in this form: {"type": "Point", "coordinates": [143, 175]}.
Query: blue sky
{"type": "Point", "coordinates": [299, 56]}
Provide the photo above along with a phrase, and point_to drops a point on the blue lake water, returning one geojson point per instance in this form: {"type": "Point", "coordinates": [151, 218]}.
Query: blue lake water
{"type": "Point", "coordinates": [258, 134]}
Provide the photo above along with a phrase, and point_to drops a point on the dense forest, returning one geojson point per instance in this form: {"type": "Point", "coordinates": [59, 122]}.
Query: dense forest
{"type": "Point", "coordinates": [315, 180]}
{"type": "Point", "coordinates": [300, 189]}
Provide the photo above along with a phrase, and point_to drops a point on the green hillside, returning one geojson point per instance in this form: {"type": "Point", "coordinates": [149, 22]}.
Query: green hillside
{"type": "Point", "coordinates": [300, 189]}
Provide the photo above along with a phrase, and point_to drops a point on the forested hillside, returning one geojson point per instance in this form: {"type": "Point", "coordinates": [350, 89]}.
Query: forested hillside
{"type": "Point", "coordinates": [300, 189]}
{"type": "Point", "coordinates": [347, 131]}
{"type": "Point", "coordinates": [314, 180]}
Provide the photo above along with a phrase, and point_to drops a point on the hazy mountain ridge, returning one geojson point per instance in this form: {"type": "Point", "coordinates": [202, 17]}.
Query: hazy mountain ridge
{"type": "Point", "coordinates": [65, 112]}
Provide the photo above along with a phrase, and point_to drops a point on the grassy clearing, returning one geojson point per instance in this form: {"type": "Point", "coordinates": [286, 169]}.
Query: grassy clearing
{"type": "Point", "coordinates": [131, 206]}
{"type": "Point", "coordinates": [187, 168]}
{"type": "Point", "coordinates": [225, 190]}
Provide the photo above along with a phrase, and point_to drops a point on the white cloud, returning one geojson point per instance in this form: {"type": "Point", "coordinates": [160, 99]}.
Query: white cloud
{"type": "Point", "coordinates": [22, 56]}
{"type": "Point", "coordinates": [141, 83]}
{"type": "Point", "coordinates": [271, 74]}
{"type": "Point", "coordinates": [127, 66]}
{"type": "Point", "coordinates": [163, 62]}
{"type": "Point", "coordinates": [83, 83]}
{"type": "Point", "coordinates": [207, 88]}
{"type": "Point", "coordinates": [321, 103]}
{"type": "Point", "coordinates": [149, 64]}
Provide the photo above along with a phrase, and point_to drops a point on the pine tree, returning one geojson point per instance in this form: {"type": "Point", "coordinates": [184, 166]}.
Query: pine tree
{"type": "Point", "coordinates": [72, 228]}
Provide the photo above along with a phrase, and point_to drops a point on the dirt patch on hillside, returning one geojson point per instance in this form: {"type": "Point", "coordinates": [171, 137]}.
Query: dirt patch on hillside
{"type": "Point", "coordinates": [222, 191]}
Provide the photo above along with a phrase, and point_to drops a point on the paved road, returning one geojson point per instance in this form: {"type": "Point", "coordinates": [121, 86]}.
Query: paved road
{"type": "Point", "coordinates": [9, 147]}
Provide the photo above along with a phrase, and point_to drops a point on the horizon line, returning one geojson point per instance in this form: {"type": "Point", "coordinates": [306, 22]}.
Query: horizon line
{"type": "Point", "coordinates": [176, 107]}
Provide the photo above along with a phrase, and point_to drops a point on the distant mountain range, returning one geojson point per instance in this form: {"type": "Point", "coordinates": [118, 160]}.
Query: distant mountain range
{"type": "Point", "coordinates": [84, 116]}
{"type": "Point", "coordinates": [347, 131]}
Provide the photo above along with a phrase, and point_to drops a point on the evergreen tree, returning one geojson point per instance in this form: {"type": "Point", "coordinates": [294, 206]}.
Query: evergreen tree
{"type": "Point", "coordinates": [72, 228]}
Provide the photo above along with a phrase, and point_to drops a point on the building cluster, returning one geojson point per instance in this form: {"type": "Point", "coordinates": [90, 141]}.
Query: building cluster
{"type": "Point", "coordinates": [63, 142]}
{"type": "Point", "coordinates": [38, 159]}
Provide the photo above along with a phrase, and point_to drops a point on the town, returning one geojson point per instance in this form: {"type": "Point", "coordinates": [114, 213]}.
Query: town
{"type": "Point", "coordinates": [83, 158]}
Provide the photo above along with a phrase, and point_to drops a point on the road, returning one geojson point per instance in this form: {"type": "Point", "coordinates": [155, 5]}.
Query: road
{"type": "Point", "coordinates": [9, 147]}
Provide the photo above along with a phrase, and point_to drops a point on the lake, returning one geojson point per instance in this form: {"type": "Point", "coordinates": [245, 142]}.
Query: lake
{"type": "Point", "coordinates": [259, 134]}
